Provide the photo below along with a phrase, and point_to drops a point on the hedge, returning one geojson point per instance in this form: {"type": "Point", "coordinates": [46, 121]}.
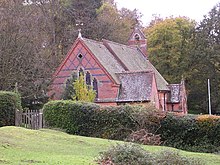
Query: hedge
{"type": "Point", "coordinates": [89, 119]}
{"type": "Point", "coordinates": [9, 103]}
{"type": "Point", "coordinates": [200, 133]}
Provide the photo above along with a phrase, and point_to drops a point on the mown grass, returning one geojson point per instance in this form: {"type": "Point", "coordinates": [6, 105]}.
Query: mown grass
{"type": "Point", "coordinates": [20, 146]}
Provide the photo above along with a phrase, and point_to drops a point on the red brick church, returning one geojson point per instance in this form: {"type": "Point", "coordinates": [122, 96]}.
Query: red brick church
{"type": "Point", "coordinates": [119, 73]}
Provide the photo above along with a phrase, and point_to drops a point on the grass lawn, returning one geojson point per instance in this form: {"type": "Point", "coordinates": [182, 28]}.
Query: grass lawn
{"type": "Point", "coordinates": [20, 146]}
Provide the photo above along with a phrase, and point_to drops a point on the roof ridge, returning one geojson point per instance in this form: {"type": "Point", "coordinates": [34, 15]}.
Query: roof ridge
{"type": "Point", "coordinates": [140, 71]}
{"type": "Point", "coordinates": [120, 44]}
{"type": "Point", "coordinates": [100, 42]}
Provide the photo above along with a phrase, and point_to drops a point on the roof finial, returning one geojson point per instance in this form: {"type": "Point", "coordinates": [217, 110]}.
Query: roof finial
{"type": "Point", "coordinates": [79, 30]}
{"type": "Point", "coordinates": [80, 34]}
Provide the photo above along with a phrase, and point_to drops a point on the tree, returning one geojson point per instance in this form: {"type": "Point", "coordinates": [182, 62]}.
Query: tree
{"type": "Point", "coordinates": [69, 91]}
{"type": "Point", "coordinates": [114, 24]}
{"type": "Point", "coordinates": [20, 62]}
{"type": "Point", "coordinates": [83, 92]}
{"type": "Point", "coordinates": [205, 63]}
{"type": "Point", "coordinates": [169, 45]}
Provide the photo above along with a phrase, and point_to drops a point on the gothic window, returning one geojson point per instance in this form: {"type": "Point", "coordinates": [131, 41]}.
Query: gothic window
{"type": "Point", "coordinates": [88, 78]}
{"type": "Point", "coordinates": [137, 37]}
{"type": "Point", "coordinates": [95, 86]}
{"type": "Point", "coordinates": [81, 72]}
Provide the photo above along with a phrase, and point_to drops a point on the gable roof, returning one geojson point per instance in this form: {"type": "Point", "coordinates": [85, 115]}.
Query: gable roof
{"type": "Point", "coordinates": [137, 31]}
{"type": "Point", "coordinates": [119, 58]}
{"type": "Point", "coordinates": [142, 89]}
{"type": "Point", "coordinates": [105, 57]}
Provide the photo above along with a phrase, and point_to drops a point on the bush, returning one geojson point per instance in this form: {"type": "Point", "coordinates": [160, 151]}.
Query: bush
{"type": "Point", "coordinates": [90, 119]}
{"type": "Point", "coordinates": [170, 157]}
{"type": "Point", "coordinates": [9, 103]}
{"type": "Point", "coordinates": [116, 122]}
{"type": "Point", "coordinates": [74, 117]}
{"type": "Point", "coordinates": [125, 154]}
{"type": "Point", "coordinates": [191, 132]}
{"type": "Point", "coordinates": [132, 154]}
{"type": "Point", "coordinates": [144, 137]}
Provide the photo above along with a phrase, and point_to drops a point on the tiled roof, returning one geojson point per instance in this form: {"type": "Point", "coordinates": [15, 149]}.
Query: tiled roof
{"type": "Point", "coordinates": [105, 57]}
{"type": "Point", "coordinates": [135, 86]}
{"type": "Point", "coordinates": [134, 60]}
{"type": "Point", "coordinates": [118, 58]}
{"type": "Point", "coordinates": [175, 90]}
{"type": "Point", "coordinates": [162, 84]}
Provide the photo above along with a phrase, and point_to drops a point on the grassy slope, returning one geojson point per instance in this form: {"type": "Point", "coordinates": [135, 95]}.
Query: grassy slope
{"type": "Point", "coordinates": [23, 146]}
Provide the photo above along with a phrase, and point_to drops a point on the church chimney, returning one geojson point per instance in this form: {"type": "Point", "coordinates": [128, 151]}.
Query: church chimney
{"type": "Point", "coordinates": [138, 39]}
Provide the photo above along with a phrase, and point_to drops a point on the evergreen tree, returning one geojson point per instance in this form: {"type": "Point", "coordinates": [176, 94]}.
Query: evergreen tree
{"type": "Point", "coordinates": [83, 92]}
{"type": "Point", "coordinates": [205, 63]}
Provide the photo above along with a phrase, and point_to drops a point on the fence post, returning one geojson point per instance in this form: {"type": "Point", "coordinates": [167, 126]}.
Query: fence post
{"type": "Point", "coordinates": [40, 118]}
{"type": "Point", "coordinates": [17, 117]}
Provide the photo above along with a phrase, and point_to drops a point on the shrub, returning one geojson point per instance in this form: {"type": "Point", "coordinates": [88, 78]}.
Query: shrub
{"type": "Point", "coordinates": [170, 157]}
{"type": "Point", "coordinates": [90, 119]}
{"type": "Point", "coordinates": [116, 122]}
{"type": "Point", "coordinates": [147, 117]}
{"type": "Point", "coordinates": [144, 137]}
{"type": "Point", "coordinates": [125, 154]}
{"type": "Point", "coordinates": [132, 154]}
{"type": "Point", "coordinates": [191, 132]}
{"type": "Point", "coordinates": [9, 103]}
{"type": "Point", "coordinates": [74, 117]}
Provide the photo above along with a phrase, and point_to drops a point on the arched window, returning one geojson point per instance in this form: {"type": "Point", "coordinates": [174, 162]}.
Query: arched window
{"type": "Point", "coordinates": [81, 72]}
{"type": "Point", "coordinates": [88, 78]}
{"type": "Point", "coordinates": [137, 37]}
{"type": "Point", "coordinates": [95, 86]}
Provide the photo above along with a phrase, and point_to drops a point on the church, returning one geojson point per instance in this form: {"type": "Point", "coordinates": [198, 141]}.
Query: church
{"type": "Point", "coordinates": [120, 74]}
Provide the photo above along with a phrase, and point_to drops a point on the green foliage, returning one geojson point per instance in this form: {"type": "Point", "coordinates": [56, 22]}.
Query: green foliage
{"type": "Point", "coordinates": [128, 153]}
{"type": "Point", "coordinates": [125, 154]}
{"type": "Point", "coordinates": [74, 117]}
{"type": "Point", "coordinates": [92, 120]}
{"type": "Point", "coordinates": [83, 92]}
{"type": "Point", "coordinates": [69, 91]}
{"type": "Point", "coordinates": [114, 24]}
{"type": "Point", "coordinates": [86, 119]}
{"type": "Point", "coordinates": [191, 133]}
{"type": "Point", "coordinates": [204, 63]}
{"type": "Point", "coordinates": [112, 121]}
{"type": "Point", "coordinates": [169, 45]}
{"type": "Point", "coordinates": [9, 103]}
{"type": "Point", "coordinates": [170, 157]}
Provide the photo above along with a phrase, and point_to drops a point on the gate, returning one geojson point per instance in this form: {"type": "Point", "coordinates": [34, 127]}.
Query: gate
{"type": "Point", "coordinates": [32, 119]}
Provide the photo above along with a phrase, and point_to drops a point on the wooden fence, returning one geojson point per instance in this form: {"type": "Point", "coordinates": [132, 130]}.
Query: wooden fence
{"type": "Point", "coordinates": [32, 119]}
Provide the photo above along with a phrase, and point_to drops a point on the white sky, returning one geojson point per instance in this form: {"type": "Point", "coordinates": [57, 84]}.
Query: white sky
{"type": "Point", "coordinates": [194, 9]}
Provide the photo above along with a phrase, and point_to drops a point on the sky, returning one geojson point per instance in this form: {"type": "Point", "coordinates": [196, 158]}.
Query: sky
{"type": "Point", "coordinates": [194, 9]}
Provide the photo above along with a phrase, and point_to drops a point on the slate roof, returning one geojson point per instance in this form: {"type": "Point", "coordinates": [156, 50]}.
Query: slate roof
{"type": "Point", "coordinates": [142, 89]}
{"type": "Point", "coordinates": [119, 58]}
{"type": "Point", "coordinates": [175, 90]}
{"type": "Point", "coordinates": [105, 57]}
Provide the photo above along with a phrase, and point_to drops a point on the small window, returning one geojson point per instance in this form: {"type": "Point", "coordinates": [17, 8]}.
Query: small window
{"type": "Point", "coordinates": [137, 37]}
{"type": "Point", "coordinates": [88, 78]}
{"type": "Point", "coordinates": [80, 56]}
{"type": "Point", "coordinates": [95, 86]}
